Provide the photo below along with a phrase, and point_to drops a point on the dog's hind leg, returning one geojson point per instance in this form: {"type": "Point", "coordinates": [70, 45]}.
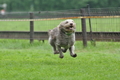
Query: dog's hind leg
{"type": "Point", "coordinates": [60, 51]}
{"type": "Point", "coordinates": [71, 49]}
{"type": "Point", "coordinates": [55, 50]}
{"type": "Point", "coordinates": [52, 43]}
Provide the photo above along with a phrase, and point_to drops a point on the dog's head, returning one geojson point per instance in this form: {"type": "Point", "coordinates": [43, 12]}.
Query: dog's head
{"type": "Point", "coordinates": [68, 26]}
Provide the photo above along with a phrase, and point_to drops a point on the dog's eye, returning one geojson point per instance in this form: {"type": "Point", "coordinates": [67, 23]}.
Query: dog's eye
{"type": "Point", "coordinates": [66, 22]}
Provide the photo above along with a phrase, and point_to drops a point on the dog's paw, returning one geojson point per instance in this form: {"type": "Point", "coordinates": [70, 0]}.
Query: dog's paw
{"type": "Point", "coordinates": [64, 50]}
{"type": "Point", "coordinates": [56, 52]}
{"type": "Point", "coordinates": [74, 55]}
{"type": "Point", "coordinates": [61, 57]}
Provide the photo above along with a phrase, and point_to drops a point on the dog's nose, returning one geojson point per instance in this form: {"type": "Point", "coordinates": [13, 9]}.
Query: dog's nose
{"type": "Point", "coordinates": [71, 24]}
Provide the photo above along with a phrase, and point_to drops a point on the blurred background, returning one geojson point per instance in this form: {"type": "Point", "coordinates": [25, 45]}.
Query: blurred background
{"type": "Point", "coordinates": [47, 5]}
{"type": "Point", "coordinates": [51, 12]}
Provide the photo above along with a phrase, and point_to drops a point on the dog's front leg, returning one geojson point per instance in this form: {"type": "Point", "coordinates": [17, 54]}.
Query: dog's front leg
{"type": "Point", "coordinates": [71, 49]}
{"type": "Point", "coordinates": [60, 51]}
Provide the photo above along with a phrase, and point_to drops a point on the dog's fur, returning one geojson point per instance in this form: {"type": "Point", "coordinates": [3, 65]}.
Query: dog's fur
{"type": "Point", "coordinates": [62, 38]}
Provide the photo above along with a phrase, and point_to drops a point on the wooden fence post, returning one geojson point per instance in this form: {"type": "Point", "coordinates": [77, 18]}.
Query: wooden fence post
{"type": "Point", "coordinates": [93, 42]}
{"type": "Point", "coordinates": [84, 33]}
{"type": "Point", "coordinates": [31, 29]}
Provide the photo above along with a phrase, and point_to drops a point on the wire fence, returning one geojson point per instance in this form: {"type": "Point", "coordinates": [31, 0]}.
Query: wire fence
{"type": "Point", "coordinates": [64, 13]}
{"type": "Point", "coordinates": [100, 19]}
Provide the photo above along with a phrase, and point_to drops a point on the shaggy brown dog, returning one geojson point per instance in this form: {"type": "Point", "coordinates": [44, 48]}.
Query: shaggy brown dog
{"type": "Point", "coordinates": [62, 38]}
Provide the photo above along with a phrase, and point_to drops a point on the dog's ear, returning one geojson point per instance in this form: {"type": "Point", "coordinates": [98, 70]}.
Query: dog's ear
{"type": "Point", "coordinates": [61, 25]}
{"type": "Point", "coordinates": [49, 32]}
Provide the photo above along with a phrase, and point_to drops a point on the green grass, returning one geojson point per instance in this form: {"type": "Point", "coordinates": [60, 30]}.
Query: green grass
{"type": "Point", "coordinates": [101, 24]}
{"type": "Point", "coordinates": [20, 60]}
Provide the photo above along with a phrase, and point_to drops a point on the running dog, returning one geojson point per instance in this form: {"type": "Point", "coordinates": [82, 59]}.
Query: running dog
{"type": "Point", "coordinates": [62, 38]}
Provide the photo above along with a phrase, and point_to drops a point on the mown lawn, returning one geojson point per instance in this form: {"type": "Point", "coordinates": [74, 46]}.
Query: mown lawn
{"type": "Point", "coordinates": [20, 60]}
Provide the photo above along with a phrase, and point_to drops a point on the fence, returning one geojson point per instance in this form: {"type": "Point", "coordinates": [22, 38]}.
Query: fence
{"type": "Point", "coordinates": [101, 24]}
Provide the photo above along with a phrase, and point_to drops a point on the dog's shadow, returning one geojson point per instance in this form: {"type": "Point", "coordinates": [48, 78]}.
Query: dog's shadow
{"type": "Point", "coordinates": [58, 61]}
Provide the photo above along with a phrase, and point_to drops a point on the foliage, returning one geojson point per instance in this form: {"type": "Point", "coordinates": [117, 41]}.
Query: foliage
{"type": "Point", "coordinates": [40, 5]}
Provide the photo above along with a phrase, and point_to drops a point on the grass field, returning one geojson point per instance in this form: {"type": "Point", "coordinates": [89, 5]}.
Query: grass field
{"type": "Point", "coordinates": [101, 24]}
{"type": "Point", "coordinates": [20, 60]}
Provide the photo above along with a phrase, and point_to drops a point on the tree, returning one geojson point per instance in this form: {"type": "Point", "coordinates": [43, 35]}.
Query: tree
{"type": "Point", "coordinates": [43, 5]}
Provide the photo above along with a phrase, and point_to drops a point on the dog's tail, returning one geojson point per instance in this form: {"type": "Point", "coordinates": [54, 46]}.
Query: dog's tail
{"type": "Point", "coordinates": [49, 32]}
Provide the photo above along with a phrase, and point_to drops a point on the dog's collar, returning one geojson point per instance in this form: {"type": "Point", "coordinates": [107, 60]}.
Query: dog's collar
{"type": "Point", "coordinates": [67, 33]}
